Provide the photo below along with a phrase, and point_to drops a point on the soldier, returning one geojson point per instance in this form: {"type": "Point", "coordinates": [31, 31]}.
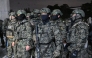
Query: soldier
{"type": "Point", "coordinates": [32, 25]}
{"type": "Point", "coordinates": [36, 18]}
{"type": "Point", "coordinates": [22, 37]}
{"type": "Point", "coordinates": [10, 33]}
{"type": "Point", "coordinates": [33, 18]}
{"type": "Point", "coordinates": [78, 35]}
{"type": "Point", "coordinates": [60, 28]}
{"type": "Point", "coordinates": [44, 35]}
{"type": "Point", "coordinates": [30, 16]}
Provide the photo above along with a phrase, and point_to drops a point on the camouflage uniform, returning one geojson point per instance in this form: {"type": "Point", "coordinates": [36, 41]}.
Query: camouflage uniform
{"type": "Point", "coordinates": [60, 31]}
{"type": "Point", "coordinates": [22, 38]}
{"type": "Point", "coordinates": [34, 20]}
{"type": "Point", "coordinates": [78, 35]}
{"type": "Point", "coordinates": [45, 35]}
{"type": "Point", "coordinates": [30, 19]}
{"type": "Point", "coordinates": [10, 34]}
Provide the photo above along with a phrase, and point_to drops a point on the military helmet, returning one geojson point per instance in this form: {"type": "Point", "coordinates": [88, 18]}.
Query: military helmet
{"type": "Point", "coordinates": [23, 12]}
{"type": "Point", "coordinates": [28, 14]}
{"type": "Point", "coordinates": [19, 12]}
{"type": "Point", "coordinates": [45, 10]}
{"type": "Point", "coordinates": [36, 11]}
{"type": "Point", "coordinates": [57, 11]}
{"type": "Point", "coordinates": [79, 11]}
{"type": "Point", "coordinates": [12, 14]}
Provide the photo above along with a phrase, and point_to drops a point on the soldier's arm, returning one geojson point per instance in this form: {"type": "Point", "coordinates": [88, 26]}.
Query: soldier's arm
{"type": "Point", "coordinates": [83, 35]}
{"type": "Point", "coordinates": [29, 41]}
{"type": "Point", "coordinates": [58, 41]}
{"type": "Point", "coordinates": [72, 40]}
{"type": "Point", "coordinates": [78, 36]}
{"type": "Point", "coordinates": [60, 35]}
{"type": "Point", "coordinates": [63, 29]}
{"type": "Point", "coordinates": [14, 39]}
{"type": "Point", "coordinates": [83, 31]}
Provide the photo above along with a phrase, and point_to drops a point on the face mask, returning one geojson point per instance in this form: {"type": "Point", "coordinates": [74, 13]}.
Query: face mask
{"type": "Point", "coordinates": [54, 17]}
{"type": "Point", "coordinates": [76, 16]}
{"type": "Point", "coordinates": [21, 17]}
{"type": "Point", "coordinates": [45, 18]}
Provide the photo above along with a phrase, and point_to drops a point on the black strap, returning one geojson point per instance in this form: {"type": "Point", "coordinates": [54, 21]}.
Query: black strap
{"type": "Point", "coordinates": [22, 23]}
{"type": "Point", "coordinates": [52, 40]}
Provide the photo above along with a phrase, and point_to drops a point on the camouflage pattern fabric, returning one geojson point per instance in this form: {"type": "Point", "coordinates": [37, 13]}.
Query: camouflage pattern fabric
{"type": "Point", "coordinates": [78, 38]}
{"type": "Point", "coordinates": [22, 38]}
{"type": "Point", "coordinates": [59, 30]}
{"type": "Point", "coordinates": [45, 39]}
{"type": "Point", "coordinates": [9, 34]}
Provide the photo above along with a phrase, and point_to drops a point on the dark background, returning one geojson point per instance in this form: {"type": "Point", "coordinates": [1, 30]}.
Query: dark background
{"type": "Point", "coordinates": [33, 4]}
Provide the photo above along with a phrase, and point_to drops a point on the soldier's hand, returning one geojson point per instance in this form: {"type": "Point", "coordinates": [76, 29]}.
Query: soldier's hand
{"type": "Point", "coordinates": [27, 48]}
{"type": "Point", "coordinates": [13, 43]}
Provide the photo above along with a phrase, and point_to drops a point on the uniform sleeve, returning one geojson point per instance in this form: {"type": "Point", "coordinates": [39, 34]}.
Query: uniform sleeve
{"type": "Point", "coordinates": [60, 34]}
{"type": "Point", "coordinates": [58, 39]}
{"type": "Point", "coordinates": [15, 36]}
{"type": "Point", "coordinates": [72, 40]}
{"type": "Point", "coordinates": [29, 35]}
{"type": "Point", "coordinates": [63, 30]}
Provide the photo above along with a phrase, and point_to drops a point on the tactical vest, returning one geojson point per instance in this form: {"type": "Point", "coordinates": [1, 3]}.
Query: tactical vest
{"type": "Point", "coordinates": [21, 30]}
{"type": "Point", "coordinates": [44, 33]}
{"type": "Point", "coordinates": [10, 29]}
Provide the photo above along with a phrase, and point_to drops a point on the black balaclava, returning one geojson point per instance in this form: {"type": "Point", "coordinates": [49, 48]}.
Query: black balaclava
{"type": "Point", "coordinates": [45, 18]}
{"type": "Point", "coordinates": [54, 17]}
{"type": "Point", "coordinates": [21, 17]}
